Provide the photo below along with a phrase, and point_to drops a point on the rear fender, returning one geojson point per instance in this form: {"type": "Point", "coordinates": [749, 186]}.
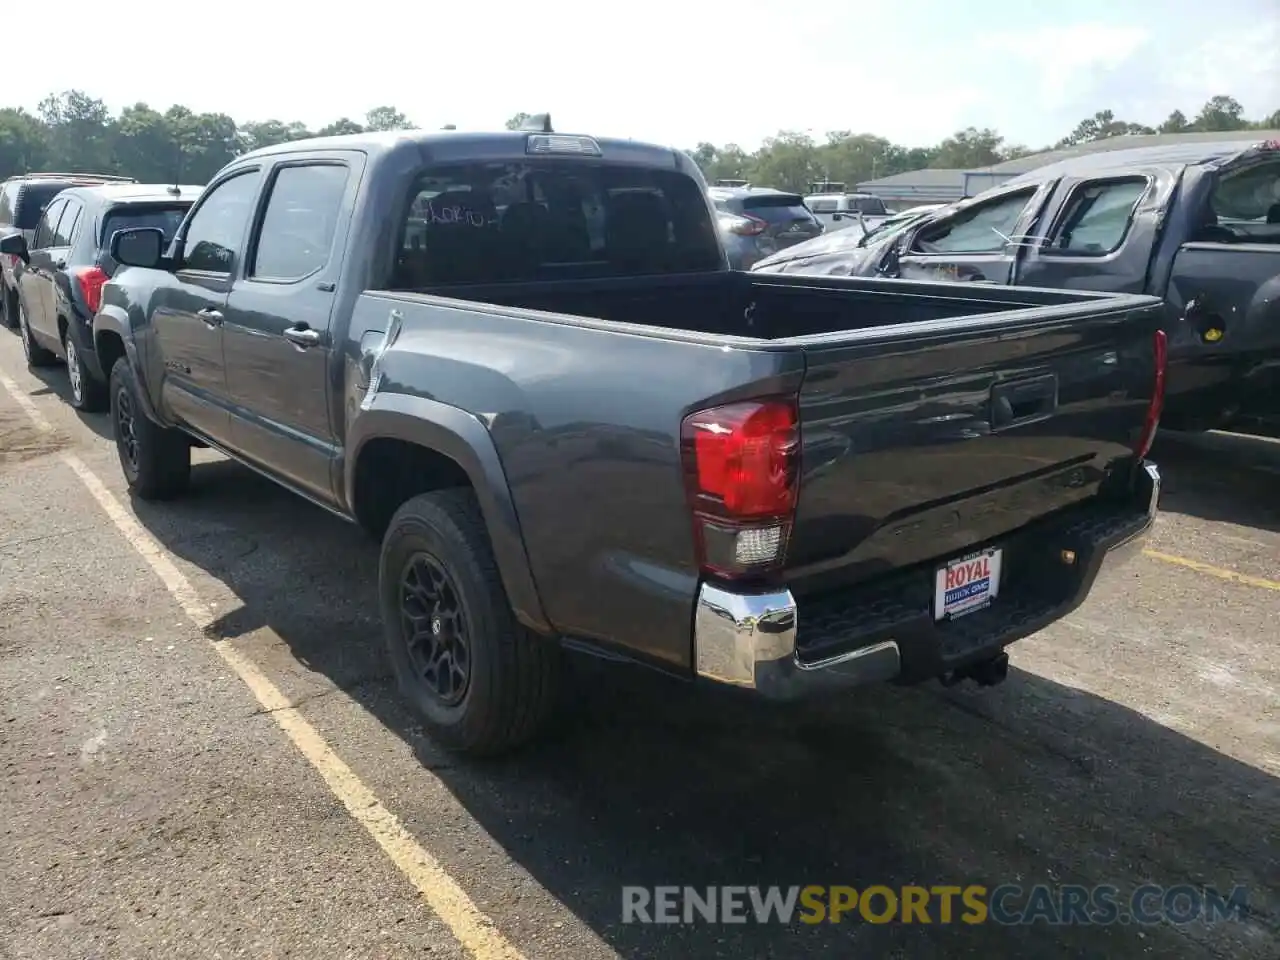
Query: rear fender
{"type": "Point", "coordinates": [464, 439]}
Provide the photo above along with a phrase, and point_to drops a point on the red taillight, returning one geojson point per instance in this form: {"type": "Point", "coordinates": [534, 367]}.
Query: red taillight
{"type": "Point", "coordinates": [741, 465]}
{"type": "Point", "coordinates": [1156, 406]}
{"type": "Point", "coordinates": [748, 226]}
{"type": "Point", "coordinates": [92, 280]}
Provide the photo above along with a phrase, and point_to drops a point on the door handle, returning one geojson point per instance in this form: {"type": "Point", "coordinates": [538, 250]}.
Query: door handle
{"type": "Point", "coordinates": [210, 317]}
{"type": "Point", "coordinates": [302, 337]}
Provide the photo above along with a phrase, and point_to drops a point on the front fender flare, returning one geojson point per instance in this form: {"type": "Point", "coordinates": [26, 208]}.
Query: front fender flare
{"type": "Point", "coordinates": [464, 439]}
{"type": "Point", "coordinates": [108, 321]}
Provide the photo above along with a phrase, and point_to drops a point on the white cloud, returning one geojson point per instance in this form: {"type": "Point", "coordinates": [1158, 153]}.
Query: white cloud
{"type": "Point", "coordinates": [1058, 61]}
{"type": "Point", "coordinates": [1243, 62]}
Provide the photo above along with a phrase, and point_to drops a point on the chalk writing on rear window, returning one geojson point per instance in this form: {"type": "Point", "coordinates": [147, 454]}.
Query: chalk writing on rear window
{"type": "Point", "coordinates": [452, 213]}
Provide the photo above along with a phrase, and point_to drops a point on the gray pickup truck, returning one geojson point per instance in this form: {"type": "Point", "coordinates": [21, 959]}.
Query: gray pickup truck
{"type": "Point", "coordinates": [1196, 224]}
{"type": "Point", "coordinates": [521, 361]}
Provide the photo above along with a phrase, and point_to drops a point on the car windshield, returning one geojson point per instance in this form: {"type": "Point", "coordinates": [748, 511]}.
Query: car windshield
{"type": "Point", "coordinates": [887, 227]}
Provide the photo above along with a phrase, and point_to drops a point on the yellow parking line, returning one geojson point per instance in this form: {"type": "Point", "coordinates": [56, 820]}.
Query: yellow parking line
{"type": "Point", "coordinates": [1213, 571]}
{"type": "Point", "coordinates": [475, 931]}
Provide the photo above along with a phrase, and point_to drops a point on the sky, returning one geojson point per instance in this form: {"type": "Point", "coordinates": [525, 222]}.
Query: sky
{"type": "Point", "coordinates": [676, 71]}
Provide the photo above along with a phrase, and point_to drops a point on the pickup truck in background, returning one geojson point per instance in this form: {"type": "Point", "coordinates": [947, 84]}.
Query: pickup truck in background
{"type": "Point", "coordinates": [1197, 225]}
{"type": "Point", "coordinates": [521, 361]}
{"type": "Point", "coordinates": [838, 210]}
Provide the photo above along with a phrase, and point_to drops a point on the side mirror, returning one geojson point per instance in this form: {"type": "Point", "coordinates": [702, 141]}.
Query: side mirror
{"type": "Point", "coordinates": [15, 245]}
{"type": "Point", "coordinates": [139, 247]}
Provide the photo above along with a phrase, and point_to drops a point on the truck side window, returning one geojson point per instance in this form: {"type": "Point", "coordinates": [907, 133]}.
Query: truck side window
{"type": "Point", "coordinates": [216, 232]}
{"type": "Point", "coordinates": [302, 215]}
{"type": "Point", "coordinates": [980, 229]}
{"type": "Point", "coordinates": [1097, 217]}
{"type": "Point", "coordinates": [45, 228]}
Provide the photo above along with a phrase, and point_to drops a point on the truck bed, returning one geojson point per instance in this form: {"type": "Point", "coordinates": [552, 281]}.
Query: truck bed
{"type": "Point", "coordinates": [763, 306]}
{"type": "Point", "coordinates": [933, 418]}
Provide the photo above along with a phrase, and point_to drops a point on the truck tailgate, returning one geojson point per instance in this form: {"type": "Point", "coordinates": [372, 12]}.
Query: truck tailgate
{"type": "Point", "coordinates": [921, 441]}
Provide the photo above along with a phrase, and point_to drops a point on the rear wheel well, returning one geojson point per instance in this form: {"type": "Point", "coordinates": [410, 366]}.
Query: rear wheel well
{"type": "Point", "coordinates": [109, 347]}
{"type": "Point", "coordinates": [62, 329]}
{"type": "Point", "coordinates": [390, 472]}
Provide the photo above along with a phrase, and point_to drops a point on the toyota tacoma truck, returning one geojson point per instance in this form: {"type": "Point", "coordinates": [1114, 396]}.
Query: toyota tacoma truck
{"type": "Point", "coordinates": [520, 359]}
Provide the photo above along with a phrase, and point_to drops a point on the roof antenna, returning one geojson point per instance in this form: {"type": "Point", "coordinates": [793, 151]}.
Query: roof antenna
{"type": "Point", "coordinates": [538, 123]}
{"type": "Point", "coordinates": [175, 190]}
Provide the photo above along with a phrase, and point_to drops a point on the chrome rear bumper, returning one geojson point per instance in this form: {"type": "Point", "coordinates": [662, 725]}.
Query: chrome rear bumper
{"type": "Point", "coordinates": [749, 640]}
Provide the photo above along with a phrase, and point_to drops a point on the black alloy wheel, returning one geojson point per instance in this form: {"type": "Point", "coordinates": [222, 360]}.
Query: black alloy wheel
{"type": "Point", "coordinates": [126, 431]}
{"type": "Point", "coordinates": [435, 628]}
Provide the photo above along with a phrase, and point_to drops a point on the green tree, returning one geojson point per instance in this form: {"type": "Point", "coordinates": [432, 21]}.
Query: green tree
{"type": "Point", "coordinates": [788, 160]}
{"type": "Point", "coordinates": [729, 162]}
{"type": "Point", "coordinates": [1220, 114]}
{"type": "Point", "coordinates": [144, 145]}
{"type": "Point", "coordinates": [80, 131]}
{"type": "Point", "coordinates": [206, 142]}
{"type": "Point", "coordinates": [75, 132]}
{"type": "Point", "coordinates": [339, 127]}
{"type": "Point", "coordinates": [850, 158]}
{"type": "Point", "coordinates": [268, 133]}
{"type": "Point", "coordinates": [1176, 122]}
{"type": "Point", "coordinates": [1102, 125]}
{"type": "Point", "coordinates": [969, 148]}
{"type": "Point", "coordinates": [24, 142]}
{"type": "Point", "coordinates": [386, 118]}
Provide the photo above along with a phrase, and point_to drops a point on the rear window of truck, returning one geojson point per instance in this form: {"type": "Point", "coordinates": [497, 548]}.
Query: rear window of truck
{"type": "Point", "coordinates": [548, 220]}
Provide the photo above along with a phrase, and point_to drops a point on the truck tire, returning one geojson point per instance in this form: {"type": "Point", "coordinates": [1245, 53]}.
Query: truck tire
{"type": "Point", "coordinates": [156, 461]}
{"type": "Point", "coordinates": [481, 682]}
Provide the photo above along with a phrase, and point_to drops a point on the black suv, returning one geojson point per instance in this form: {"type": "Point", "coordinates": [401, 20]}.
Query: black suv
{"type": "Point", "coordinates": [23, 199]}
{"type": "Point", "coordinates": [59, 276]}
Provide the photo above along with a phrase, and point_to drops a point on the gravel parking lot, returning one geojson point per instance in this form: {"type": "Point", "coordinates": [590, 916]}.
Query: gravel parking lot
{"type": "Point", "coordinates": [251, 786]}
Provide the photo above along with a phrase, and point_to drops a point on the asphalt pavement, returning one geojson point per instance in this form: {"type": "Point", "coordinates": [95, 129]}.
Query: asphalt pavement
{"type": "Point", "coordinates": [202, 754]}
